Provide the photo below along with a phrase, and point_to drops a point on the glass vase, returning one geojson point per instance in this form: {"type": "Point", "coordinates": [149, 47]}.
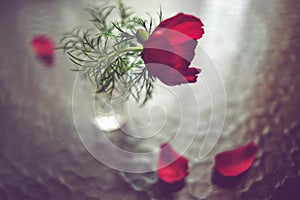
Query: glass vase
{"type": "Point", "coordinates": [109, 113]}
{"type": "Point", "coordinates": [106, 114]}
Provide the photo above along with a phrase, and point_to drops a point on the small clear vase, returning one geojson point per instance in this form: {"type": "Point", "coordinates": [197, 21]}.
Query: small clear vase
{"type": "Point", "coordinates": [106, 114]}
{"type": "Point", "coordinates": [109, 113]}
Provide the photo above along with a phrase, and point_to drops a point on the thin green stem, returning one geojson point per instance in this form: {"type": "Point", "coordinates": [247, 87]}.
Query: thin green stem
{"type": "Point", "coordinates": [110, 56]}
{"type": "Point", "coordinates": [139, 48]}
{"type": "Point", "coordinates": [127, 49]}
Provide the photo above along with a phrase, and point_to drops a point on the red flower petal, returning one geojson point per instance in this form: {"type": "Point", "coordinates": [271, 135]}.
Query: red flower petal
{"type": "Point", "coordinates": [170, 49]}
{"type": "Point", "coordinates": [43, 47]}
{"type": "Point", "coordinates": [190, 74]}
{"type": "Point", "coordinates": [172, 167]}
{"type": "Point", "coordinates": [177, 56]}
{"type": "Point", "coordinates": [236, 161]}
{"type": "Point", "coordinates": [186, 24]}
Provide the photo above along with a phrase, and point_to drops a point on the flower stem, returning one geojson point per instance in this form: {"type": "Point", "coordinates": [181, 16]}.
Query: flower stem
{"type": "Point", "coordinates": [139, 48]}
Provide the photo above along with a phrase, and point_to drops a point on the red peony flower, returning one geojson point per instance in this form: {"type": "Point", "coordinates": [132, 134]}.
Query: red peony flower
{"type": "Point", "coordinates": [171, 166]}
{"type": "Point", "coordinates": [236, 161]}
{"type": "Point", "coordinates": [43, 47]}
{"type": "Point", "coordinates": [171, 47]}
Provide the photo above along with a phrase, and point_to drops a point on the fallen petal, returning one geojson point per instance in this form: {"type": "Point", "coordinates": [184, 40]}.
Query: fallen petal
{"type": "Point", "coordinates": [43, 47]}
{"type": "Point", "coordinates": [172, 167]}
{"type": "Point", "coordinates": [236, 161]}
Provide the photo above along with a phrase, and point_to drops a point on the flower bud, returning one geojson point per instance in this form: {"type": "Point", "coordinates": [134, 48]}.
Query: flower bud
{"type": "Point", "coordinates": [141, 36]}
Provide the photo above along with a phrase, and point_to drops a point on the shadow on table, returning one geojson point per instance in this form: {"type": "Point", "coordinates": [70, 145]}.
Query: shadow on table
{"type": "Point", "coordinates": [226, 181]}
{"type": "Point", "coordinates": [165, 190]}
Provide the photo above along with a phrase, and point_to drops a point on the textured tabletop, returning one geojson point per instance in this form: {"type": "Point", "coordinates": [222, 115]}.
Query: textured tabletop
{"type": "Point", "coordinates": [253, 47]}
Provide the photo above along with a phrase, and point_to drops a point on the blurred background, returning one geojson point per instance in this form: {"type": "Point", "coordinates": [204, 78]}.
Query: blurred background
{"type": "Point", "coordinates": [254, 46]}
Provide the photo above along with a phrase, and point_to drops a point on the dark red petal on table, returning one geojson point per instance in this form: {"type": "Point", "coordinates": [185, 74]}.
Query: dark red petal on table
{"type": "Point", "coordinates": [184, 23]}
{"type": "Point", "coordinates": [43, 47]}
{"type": "Point", "coordinates": [172, 167]}
{"type": "Point", "coordinates": [236, 161]}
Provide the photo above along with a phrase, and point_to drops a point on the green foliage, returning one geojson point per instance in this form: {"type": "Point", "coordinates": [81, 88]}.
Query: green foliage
{"type": "Point", "coordinates": [110, 55]}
